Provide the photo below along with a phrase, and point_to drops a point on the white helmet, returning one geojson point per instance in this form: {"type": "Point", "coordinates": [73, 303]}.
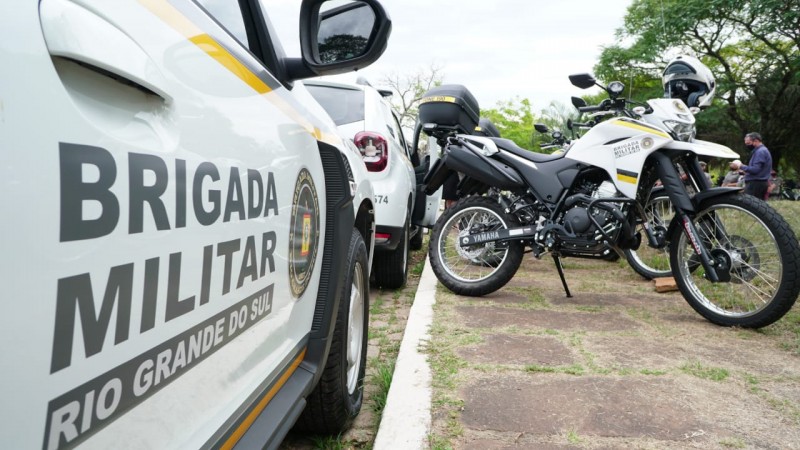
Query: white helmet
{"type": "Point", "coordinates": [690, 80]}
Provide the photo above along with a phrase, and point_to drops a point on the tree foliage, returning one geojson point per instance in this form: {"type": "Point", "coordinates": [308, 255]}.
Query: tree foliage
{"type": "Point", "coordinates": [752, 47]}
{"type": "Point", "coordinates": [514, 119]}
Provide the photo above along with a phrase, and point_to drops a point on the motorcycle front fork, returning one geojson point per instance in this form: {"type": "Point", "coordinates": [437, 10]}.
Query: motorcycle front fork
{"type": "Point", "coordinates": [684, 208]}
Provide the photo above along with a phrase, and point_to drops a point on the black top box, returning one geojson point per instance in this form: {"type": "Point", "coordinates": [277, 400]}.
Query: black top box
{"type": "Point", "coordinates": [450, 105]}
{"type": "Point", "coordinates": [486, 128]}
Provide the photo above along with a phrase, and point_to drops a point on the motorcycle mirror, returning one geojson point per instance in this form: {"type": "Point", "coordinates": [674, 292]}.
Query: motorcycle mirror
{"type": "Point", "coordinates": [582, 80]}
{"type": "Point", "coordinates": [569, 124]}
{"type": "Point", "coordinates": [578, 102]}
{"type": "Point", "coordinates": [540, 127]}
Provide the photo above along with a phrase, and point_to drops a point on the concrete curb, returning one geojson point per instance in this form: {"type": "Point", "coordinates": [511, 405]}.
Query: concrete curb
{"type": "Point", "coordinates": [406, 419]}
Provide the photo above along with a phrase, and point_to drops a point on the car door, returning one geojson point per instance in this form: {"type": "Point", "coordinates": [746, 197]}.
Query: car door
{"type": "Point", "coordinates": [182, 217]}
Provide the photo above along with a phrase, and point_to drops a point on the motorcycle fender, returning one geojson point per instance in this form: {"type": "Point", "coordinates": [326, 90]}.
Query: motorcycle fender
{"type": "Point", "coordinates": [484, 169]}
{"type": "Point", "coordinates": [706, 148]}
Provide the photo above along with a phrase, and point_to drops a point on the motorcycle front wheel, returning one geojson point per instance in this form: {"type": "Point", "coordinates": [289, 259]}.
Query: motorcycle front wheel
{"type": "Point", "coordinates": [758, 256]}
{"type": "Point", "coordinates": [474, 270]}
{"type": "Point", "coordinates": [647, 261]}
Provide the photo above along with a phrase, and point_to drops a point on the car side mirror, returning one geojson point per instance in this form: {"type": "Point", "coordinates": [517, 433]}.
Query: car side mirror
{"type": "Point", "coordinates": [338, 37]}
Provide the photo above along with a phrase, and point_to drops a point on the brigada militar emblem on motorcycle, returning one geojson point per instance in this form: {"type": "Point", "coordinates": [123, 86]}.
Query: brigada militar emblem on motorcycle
{"type": "Point", "coordinates": [303, 233]}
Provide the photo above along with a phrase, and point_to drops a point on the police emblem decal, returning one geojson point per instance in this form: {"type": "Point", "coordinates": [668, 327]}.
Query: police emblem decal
{"type": "Point", "coordinates": [303, 233]}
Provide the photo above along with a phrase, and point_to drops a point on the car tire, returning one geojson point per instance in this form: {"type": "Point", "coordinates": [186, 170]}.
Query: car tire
{"type": "Point", "coordinates": [337, 398]}
{"type": "Point", "coordinates": [415, 243]}
{"type": "Point", "coordinates": [391, 267]}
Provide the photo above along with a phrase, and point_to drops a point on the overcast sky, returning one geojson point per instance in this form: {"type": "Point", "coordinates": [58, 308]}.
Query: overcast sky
{"type": "Point", "coordinates": [498, 49]}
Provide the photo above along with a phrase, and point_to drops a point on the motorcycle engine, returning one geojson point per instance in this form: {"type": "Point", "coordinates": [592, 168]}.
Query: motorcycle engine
{"type": "Point", "coordinates": [577, 218]}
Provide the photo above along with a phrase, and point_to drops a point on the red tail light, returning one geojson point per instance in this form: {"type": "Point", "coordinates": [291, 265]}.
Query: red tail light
{"type": "Point", "coordinates": [374, 149]}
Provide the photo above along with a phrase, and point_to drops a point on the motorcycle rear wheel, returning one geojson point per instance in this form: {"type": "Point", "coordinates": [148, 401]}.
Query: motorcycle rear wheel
{"type": "Point", "coordinates": [474, 270]}
{"type": "Point", "coordinates": [647, 261]}
{"type": "Point", "coordinates": [760, 249]}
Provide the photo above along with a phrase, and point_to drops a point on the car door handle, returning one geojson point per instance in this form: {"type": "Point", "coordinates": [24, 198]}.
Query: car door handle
{"type": "Point", "coordinates": [73, 32]}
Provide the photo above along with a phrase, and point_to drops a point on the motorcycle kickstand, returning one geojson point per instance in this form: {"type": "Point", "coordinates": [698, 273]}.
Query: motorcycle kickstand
{"type": "Point", "coordinates": [557, 260]}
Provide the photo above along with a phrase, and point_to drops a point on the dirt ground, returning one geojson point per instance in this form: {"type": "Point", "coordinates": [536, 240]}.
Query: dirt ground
{"type": "Point", "coordinates": [618, 365]}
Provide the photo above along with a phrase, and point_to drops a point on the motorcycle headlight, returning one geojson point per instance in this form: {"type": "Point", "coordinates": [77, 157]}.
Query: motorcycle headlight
{"type": "Point", "coordinates": [681, 131]}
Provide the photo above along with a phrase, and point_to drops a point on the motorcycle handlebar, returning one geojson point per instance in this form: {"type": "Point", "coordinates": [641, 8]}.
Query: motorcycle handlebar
{"type": "Point", "coordinates": [587, 109]}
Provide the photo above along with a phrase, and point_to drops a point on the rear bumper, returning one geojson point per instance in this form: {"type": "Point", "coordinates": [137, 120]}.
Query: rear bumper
{"type": "Point", "coordinates": [396, 233]}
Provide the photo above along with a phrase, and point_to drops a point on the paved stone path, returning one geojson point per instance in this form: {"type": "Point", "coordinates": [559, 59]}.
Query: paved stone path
{"type": "Point", "coordinates": [616, 366]}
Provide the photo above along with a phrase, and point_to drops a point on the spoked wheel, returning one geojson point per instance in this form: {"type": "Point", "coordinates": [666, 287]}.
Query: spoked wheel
{"type": "Point", "coordinates": [647, 261]}
{"type": "Point", "coordinates": [475, 269]}
{"type": "Point", "coordinates": [756, 255]}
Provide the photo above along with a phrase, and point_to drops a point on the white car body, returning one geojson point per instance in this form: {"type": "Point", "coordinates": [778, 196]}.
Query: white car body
{"type": "Point", "coordinates": [395, 185]}
{"type": "Point", "coordinates": [176, 229]}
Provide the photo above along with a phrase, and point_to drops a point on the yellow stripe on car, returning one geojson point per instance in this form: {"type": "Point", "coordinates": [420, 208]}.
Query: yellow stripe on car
{"type": "Point", "coordinates": [251, 417]}
{"type": "Point", "coordinates": [215, 50]}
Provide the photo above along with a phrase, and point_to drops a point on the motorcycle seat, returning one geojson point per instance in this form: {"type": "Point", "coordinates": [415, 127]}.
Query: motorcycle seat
{"type": "Point", "coordinates": [510, 146]}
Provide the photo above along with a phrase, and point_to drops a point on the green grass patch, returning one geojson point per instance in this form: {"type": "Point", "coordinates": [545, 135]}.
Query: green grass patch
{"type": "Point", "coordinates": [417, 268]}
{"type": "Point", "coordinates": [573, 438]}
{"type": "Point", "coordinates": [707, 373]}
{"type": "Point", "coordinates": [382, 379]}
{"type": "Point", "coordinates": [732, 443]}
{"type": "Point", "coordinates": [574, 369]}
{"type": "Point", "coordinates": [653, 372]}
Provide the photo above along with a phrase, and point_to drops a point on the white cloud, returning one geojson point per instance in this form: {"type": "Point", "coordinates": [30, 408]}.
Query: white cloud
{"type": "Point", "coordinates": [499, 50]}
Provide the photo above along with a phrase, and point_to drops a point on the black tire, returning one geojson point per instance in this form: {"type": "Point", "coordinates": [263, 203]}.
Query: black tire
{"type": "Point", "coordinates": [336, 400]}
{"type": "Point", "coordinates": [762, 252]}
{"type": "Point", "coordinates": [415, 243]}
{"type": "Point", "coordinates": [647, 261]}
{"type": "Point", "coordinates": [492, 265]}
{"type": "Point", "coordinates": [391, 267]}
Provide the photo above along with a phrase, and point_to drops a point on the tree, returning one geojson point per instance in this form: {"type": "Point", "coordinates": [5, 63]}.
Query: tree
{"type": "Point", "coordinates": [556, 116]}
{"type": "Point", "coordinates": [340, 47]}
{"type": "Point", "coordinates": [409, 89]}
{"type": "Point", "coordinates": [514, 119]}
{"type": "Point", "coordinates": [752, 47]}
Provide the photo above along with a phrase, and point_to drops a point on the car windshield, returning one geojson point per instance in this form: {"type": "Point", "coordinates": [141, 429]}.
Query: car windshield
{"type": "Point", "coordinates": [342, 104]}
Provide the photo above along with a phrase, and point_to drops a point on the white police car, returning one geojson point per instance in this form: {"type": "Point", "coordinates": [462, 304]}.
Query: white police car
{"type": "Point", "coordinates": [363, 113]}
{"type": "Point", "coordinates": [183, 241]}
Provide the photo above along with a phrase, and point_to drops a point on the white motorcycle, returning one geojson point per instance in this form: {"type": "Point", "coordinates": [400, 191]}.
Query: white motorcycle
{"type": "Point", "coordinates": [734, 258]}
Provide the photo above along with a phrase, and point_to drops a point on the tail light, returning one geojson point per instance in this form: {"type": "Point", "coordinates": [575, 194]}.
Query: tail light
{"type": "Point", "coordinates": [374, 149]}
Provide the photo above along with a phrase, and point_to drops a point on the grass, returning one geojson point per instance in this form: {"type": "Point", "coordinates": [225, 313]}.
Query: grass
{"type": "Point", "coordinates": [382, 379]}
{"type": "Point", "coordinates": [707, 373]}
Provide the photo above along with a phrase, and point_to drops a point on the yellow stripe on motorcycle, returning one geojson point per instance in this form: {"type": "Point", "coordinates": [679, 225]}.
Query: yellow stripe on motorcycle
{"type": "Point", "coordinates": [439, 98]}
{"type": "Point", "coordinates": [627, 176]}
{"type": "Point", "coordinates": [640, 127]}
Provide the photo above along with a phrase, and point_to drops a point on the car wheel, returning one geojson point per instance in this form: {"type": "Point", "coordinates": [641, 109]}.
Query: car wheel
{"type": "Point", "coordinates": [337, 398]}
{"type": "Point", "coordinates": [391, 267]}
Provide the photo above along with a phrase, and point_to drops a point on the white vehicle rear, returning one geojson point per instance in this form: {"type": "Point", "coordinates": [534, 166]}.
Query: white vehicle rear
{"type": "Point", "coordinates": [363, 114]}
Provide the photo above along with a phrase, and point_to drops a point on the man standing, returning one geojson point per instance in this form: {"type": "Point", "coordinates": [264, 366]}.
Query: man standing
{"type": "Point", "coordinates": [756, 173]}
